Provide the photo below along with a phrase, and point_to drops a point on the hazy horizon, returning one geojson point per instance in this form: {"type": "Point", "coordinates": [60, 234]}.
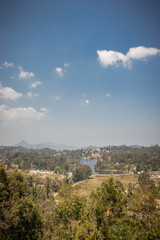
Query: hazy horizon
{"type": "Point", "coordinates": [80, 73]}
{"type": "Point", "coordinates": [21, 143]}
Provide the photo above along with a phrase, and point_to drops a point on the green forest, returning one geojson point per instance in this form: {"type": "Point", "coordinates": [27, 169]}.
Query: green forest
{"type": "Point", "coordinates": [30, 209]}
{"type": "Point", "coordinates": [109, 213]}
{"type": "Point", "coordinates": [124, 158]}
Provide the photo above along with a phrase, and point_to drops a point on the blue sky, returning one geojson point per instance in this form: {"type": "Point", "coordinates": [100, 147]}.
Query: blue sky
{"type": "Point", "coordinates": [80, 72]}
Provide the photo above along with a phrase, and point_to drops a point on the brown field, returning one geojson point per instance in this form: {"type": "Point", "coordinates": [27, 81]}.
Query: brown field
{"type": "Point", "coordinates": [87, 186]}
{"type": "Point", "coordinates": [84, 188]}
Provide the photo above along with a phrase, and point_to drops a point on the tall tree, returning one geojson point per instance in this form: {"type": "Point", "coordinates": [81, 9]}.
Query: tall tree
{"type": "Point", "coordinates": [19, 217]}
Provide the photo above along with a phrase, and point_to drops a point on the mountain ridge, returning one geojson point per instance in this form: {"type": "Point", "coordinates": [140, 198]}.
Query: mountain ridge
{"type": "Point", "coordinates": [55, 146]}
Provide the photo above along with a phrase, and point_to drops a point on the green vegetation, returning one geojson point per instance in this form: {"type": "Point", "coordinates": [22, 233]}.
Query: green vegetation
{"type": "Point", "coordinates": [121, 159]}
{"type": "Point", "coordinates": [114, 210]}
{"type": "Point", "coordinates": [125, 159]}
{"type": "Point", "coordinates": [82, 172]}
{"type": "Point", "coordinates": [35, 160]}
{"type": "Point", "coordinates": [61, 205]}
{"type": "Point", "coordinates": [109, 213]}
{"type": "Point", "coordinates": [19, 216]}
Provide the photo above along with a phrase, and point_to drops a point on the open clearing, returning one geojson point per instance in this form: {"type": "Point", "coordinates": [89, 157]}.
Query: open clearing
{"type": "Point", "coordinates": [87, 186]}
{"type": "Point", "coordinates": [84, 188]}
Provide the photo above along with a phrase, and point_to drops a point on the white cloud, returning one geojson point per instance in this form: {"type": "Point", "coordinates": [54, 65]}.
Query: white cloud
{"type": "Point", "coordinates": [85, 102]}
{"type": "Point", "coordinates": [20, 114]}
{"type": "Point", "coordinates": [59, 71]}
{"type": "Point", "coordinates": [142, 52]}
{"type": "Point", "coordinates": [31, 95]}
{"type": "Point", "coordinates": [108, 95]}
{"type": "Point", "coordinates": [7, 65]}
{"type": "Point", "coordinates": [66, 64]}
{"type": "Point", "coordinates": [35, 84]}
{"type": "Point", "coordinates": [108, 58]}
{"type": "Point", "coordinates": [57, 98]}
{"type": "Point", "coordinates": [25, 75]}
{"type": "Point", "coordinates": [8, 93]}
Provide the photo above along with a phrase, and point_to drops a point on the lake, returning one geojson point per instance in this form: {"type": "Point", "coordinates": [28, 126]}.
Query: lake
{"type": "Point", "coordinates": [91, 162]}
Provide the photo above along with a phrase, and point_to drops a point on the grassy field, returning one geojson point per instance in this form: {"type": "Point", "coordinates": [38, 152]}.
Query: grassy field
{"type": "Point", "coordinates": [84, 188]}
{"type": "Point", "coordinates": [87, 186]}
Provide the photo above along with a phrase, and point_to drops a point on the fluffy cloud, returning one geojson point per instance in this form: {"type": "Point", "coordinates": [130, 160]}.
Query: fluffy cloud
{"type": "Point", "coordinates": [7, 65]}
{"type": "Point", "coordinates": [31, 95]}
{"type": "Point", "coordinates": [142, 52]}
{"type": "Point", "coordinates": [8, 93]}
{"type": "Point", "coordinates": [59, 71]}
{"type": "Point", "coordinates": [85, 102]}
{"type": "Point", "coordinates": [66, 64]}
{"type": "Point", "coordinates": [108, 95]}
{"type": "Point", "coordinates": [20, 114]}
{"type": "Point", "coordinates": [57, 98]}
{"type": "Point", "coordinates": [35, 84]}
{"type": "Point", "coordinates": [108, 58]}
{"type": "Point", "coordinates": [25, 75]}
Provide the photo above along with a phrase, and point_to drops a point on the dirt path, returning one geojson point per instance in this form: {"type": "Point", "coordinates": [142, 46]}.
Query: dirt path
{"type": "Point", "coordinates": [78, 183]}
{"type": "Point", "coordinates": [74, 184]}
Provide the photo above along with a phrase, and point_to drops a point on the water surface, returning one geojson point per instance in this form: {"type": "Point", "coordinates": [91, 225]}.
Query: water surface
{"type": "Point", "coordinates": [91, 162]}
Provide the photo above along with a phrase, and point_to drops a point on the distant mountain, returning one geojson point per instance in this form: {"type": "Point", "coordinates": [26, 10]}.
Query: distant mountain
{"type": "Point", "coordinates": [90, 148]}
{"type": "Point", "coordinates": [54, 146]}
{"type": "Point", "coordinates": [135, 146]}
{"type": "Point", "coordinates": [24, 144]}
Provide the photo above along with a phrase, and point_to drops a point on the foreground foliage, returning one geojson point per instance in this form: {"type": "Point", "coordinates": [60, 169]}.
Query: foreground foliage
{"type": "Point", "coordinates": [111, 212]}
{"type": "Point", "coordinates": [19, 216]}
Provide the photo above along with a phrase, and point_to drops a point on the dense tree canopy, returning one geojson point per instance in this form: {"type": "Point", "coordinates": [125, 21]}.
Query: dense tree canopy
{"type": "Point", "coordinates": [82, 172]}
{"type": "Point", "coordinates": [19, 216]}
{"type": "Point", "coordinates": [29, 209]}
{"type": "Point", "coordinates": [121, 158]}
{"type": "Point", "coordinates": [109, 214]}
